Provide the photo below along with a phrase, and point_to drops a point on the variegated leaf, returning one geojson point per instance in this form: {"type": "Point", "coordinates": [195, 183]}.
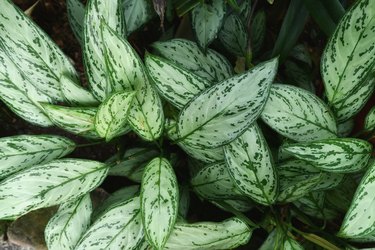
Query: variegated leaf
{"type": "Point", "coordinates": [342, 155]}
{"type": "Point", "coordinates": [137, 13]}
{"type": "Point", "coordinates": [35, 56]}
{"type": "Point", "coordinates": [234, 205]}
{"type": "Point", "coordinates": [74, 94]}
{"type": "Point", "coordinates": [24, 151]}
{"type": "Point", "coordinates": [207, 18]}
{"type": "Point", "coordinates": [250, 165]}
{"type": "Point", "coordinates": [159, 201]}
{"type": "Point", "coordinates": [212, 66]}
{"type": "Point", "coordinates": [175, 84]}
{"type": "Point", "coordinates": [133, 163]}
{"type": "Point", "coordinates": [78, 121]}
{"type": "Point", "coordinates": [273, 241]}
{"type": "Point", "coordinates": [233, 35]}
{"type": "Point", "coordinates": [298, 114]}
{"type": "Point", "coordinates": [370, 120]}
{"type": "Point", "coordinates": [359, 220]}
{"type": "Point", "coordinates": [111, 118]}
{"type": "Point", "coordinates": [349, 56]}
{"type": "Point", "coordinates": [76, 17]}
{"type": "Point", "coordinates": [313, 204]}
{"type": "Point", "coordinates": [214, 182]}
{"type": "Point", "coordinates": [344, 129]}
{"type": "Point", "coordinates": [69, 223]}
{"type": "Point", "coordinates": [341, 197]}
{"type": "Point", "coordinates": [48, 185]}
{"type": "Point", "coordinates": [222, 112]}
{"type": "Point", "coordinates": [120, 227]}
{"type": "Point", "coordinates": [227, 234]}
{"type": "Point", "coordinates": [95, 48]}
{"type": "Point", "coordinates": [291, 244]}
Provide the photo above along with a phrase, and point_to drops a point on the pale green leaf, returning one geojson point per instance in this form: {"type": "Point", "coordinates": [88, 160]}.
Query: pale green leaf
{"type": "Point", "coordinates": [370, 120]}
{"type": "Point", "coordinates": [222, 112]}
{"type": "Point", "coordinates": [120, 227]}
{"type": "Point", "coordinates": [227, 234]}
{"type": "Point", "coordinates": [177, 85]}
{"type": "Point", "coordinates": [95, 49]}
{"type": "Point", "coordinates": [214, 182]}
{"type": "Point", "coordinates": [233, 35]}
{"type": "Point", "coordinates": [359, 220]}
{"type": "Point", "coordinates": [159, 201]}
{"type": "Point", "coordinates": [341, 155]}
{"type": "Point", "coordinates": [74, 94]}
{"type": "Point", "coordinates": [298, 114]}
{"type": "Point", "coordinates": [79, 121]}
{"type": "Point", "coordinates": [349, 56]}
{"type": "Point", "coordinates": [207, 18]}
{"type": "Point", "coordinates": [48, 185]}
{"type": "Point", "coordinates": [76, 17]}
{"type": "Point", "coordinates": [24, 151]}
{"type": "Point", "coordinates": [250, 165]}
{"type": "Point", "coordinates": [291, 244]}
{"type": "Point", "coordinates": [69, 223]}
{"type": "Point", "coordinates": [271, 241]}
{"type": "Point", "coordinates": [212, 66]}
{"type": "Point", "coordinates": [137, 13]}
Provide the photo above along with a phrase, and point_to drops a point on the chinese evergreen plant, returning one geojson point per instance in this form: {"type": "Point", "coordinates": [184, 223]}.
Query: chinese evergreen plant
{"type": "Point", "coordinates": [249, 141]}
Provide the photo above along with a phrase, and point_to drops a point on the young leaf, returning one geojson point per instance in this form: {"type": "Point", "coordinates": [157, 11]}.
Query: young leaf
{"type": "Point", "coordinates": [214, 182]}
{"type": "Point", "coordinates": [212, 66]}
{"type": "Point", "coordinates": [159, 201]}
{"type": "Point", "coordinates": [48, 185]}
{"type": "Point", "coordinates": [78, 121]}
{"type": "Point", "coordinates": [298, 114]}
{"type": "Point", "coordinates": [222, 112]}
{"type": "Point", "coordinates": [111, 118]}
{"type": "Point", "coordinates": [370, 120]}
{"type": "Point", "coordinates": [251, 166]}
{"type": "Point", "coordinates": [69, 223]}
{"type": "Point", "coordinates": [74, 94]}
{"type": "Point", "coordinates": [137, 13]}
{"type": "Point", "coordinates": [227, 234]}
{"type": "Point", "coordinates": [207, 19]}
{"type": "Point", "coordinates": [94, 48]}
{"type": "Point", "coordinates": [359, 220]}
{"type": "Point", "coordinates": [120, 227]}
{"type": "Point", "coordinates": [76, 17]}
{"type": "Point", "coordinates": [175, 84]}
{"type": "Point", "coordinates": [349, 56]}
{"type": "Point", "coordinates": [342, 155]}
{"type": "Point", "coordinates": [233, 35]}
{"type": "Point", "coordinates": [23, 151]}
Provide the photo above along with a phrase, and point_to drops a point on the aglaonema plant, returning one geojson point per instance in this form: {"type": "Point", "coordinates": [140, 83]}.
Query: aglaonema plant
{"type": "Point", "coordinates": [188, 107]}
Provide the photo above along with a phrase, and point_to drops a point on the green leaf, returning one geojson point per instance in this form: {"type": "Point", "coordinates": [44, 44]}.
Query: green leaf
{"type": "Point", "coordinates": [177, 85]}
{"type": "Point", "coordinates": [234, 205]}
{"type": "Point", "coordinates": [207, 19]}
{"type": "Point", "coordinates": [159, 201]}
{"type": "Point", "coordinates": [111, 118]}
{"type": "Point", "coordinates": [222, 112]}
{"type": "Point", "coordinates": [291, 244]}
{"type": "Point", "coordinates": [299, 75]}
{"type": "Point", "coordinates": [251, 167]}
{"type": "Point", "coordinates": [214, 182]}
{"type": "Point", "coordinates": [137, 13]}
{"type": "Point", "coordinates": [120, 227]}
{"type": "Point", "coordinates": [233, 35]}
{"type": "Point", "coordinates": [69, 223]}
{"type": "Point", "coordinates": [344, 129]}
{"type": "Point", "coordinates": [212, 66]}
{"type": "Point", "coordinates": [79, 121]}
{"type": "Point", "coordinates": [258, 31]}
{"type": "Point", "coordinates": [359, 220]}
{"type": "Point", "coordinates": [48, 185]}
{"type": "Point", "coordinates": [24, 151]}
{"type": "Point", "coordinates": [74, 94]}
{"type": "Point", "coordinates": [298, 114]}
{"type": "Point", "coordinates": [341, 197]}
{"type": "Point", "coordinates": [133, 163]}
{"type": "Point", "coordinates": [76, 17]}
{"type": "Point", "coordinates": [184, 201]}
{"type": "Point", "coordinates": [95, 48]}
{"type": "Point", "coordinates": [313, 204]}
{"type": "Point", "coordinates": [349, 56]}
{"type": "Point", "coordinates": [341, 155]}
{"type": "Point", "coordinates": [370, 120]}
{"type": "Point", "coordinates": [227, 234]}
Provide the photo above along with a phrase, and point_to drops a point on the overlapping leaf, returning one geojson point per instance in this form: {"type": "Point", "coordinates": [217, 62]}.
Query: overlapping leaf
{"type": "Point", "coordinates": [74, 94]}
{"type": "Point", "coordinates": [48, 185]}
{"type": "Point", "coordinates": [71, 220]}
{"type": "Point", "coordinates": [23, 151]}
{"type": "Point", "coordinates": [233, 35]}
{"type": "Point", "coordinates": [228, 234]}
{"type": "Point", "coordinates": [76, 17]}
{"type": "Point", "coordinates": [342, 155]}
{"type": "Point", "coordinates": [159, 201]}
{"type": "Point", "coordinates": [314, 205]}
{"type": "Point", "coordinates": [370, 120]}
{"type": "Point", "coordinates": [221, 113]}
{"type": "Point", "coordinates": [250, 164]}
{"type": "Point", "coordinates": [137, 13]}
{"type": "Point", "coordinates": [258, 31]}
{"type": "Point", "coordinates": [298, 114]}
{"type": "Point", "coordinates": [212, 66]}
